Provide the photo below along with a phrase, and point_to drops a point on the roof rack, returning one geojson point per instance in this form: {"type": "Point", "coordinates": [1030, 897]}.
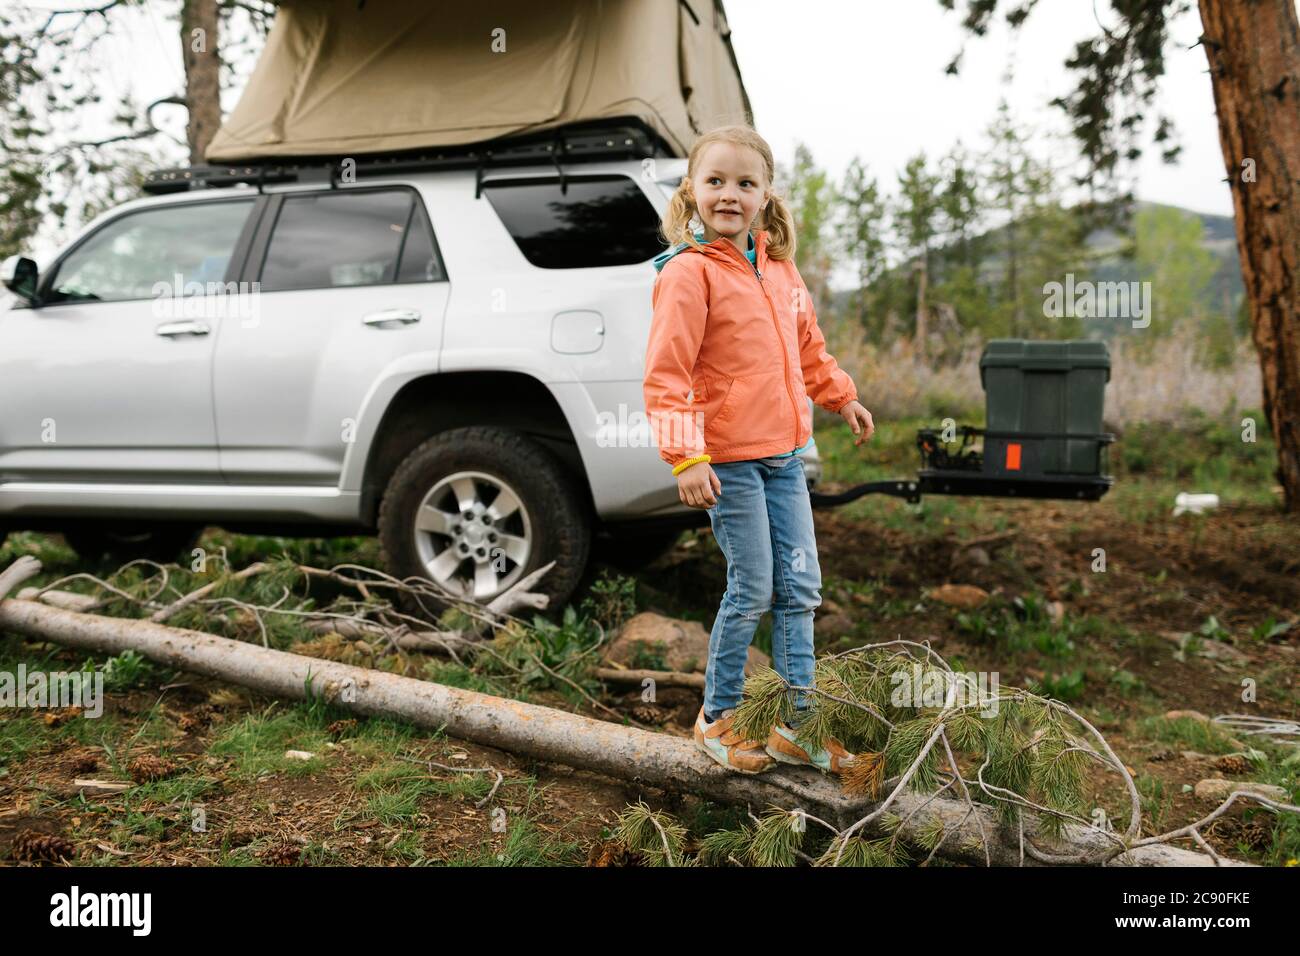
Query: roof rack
{"type": "Point", "coordinates": [606, 139]}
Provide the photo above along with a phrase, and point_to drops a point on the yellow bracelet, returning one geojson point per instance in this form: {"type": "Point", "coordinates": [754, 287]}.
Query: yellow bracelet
{"type": "Point", "coordinates": [683, 465]}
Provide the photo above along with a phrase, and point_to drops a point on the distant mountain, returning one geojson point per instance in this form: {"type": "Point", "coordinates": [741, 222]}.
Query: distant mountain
{"type": "Point", "coordinates": [1224, 293]}
{"type": "Point", "coordinates": [1225, 289]}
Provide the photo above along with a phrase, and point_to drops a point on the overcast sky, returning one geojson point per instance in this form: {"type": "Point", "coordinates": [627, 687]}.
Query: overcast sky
{"type": "Point", "coordinates": [852, 77]}
{"type": "Point", "coordinates": [867, 78]}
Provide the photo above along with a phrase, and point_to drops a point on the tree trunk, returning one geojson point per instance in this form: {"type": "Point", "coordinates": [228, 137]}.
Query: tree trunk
{"type": "Point", "coordinates": [202, 57]}
{"type": "Point", "coordinates": [1254, 55]}
{"type": "Point", "coordinates": [922, 333]}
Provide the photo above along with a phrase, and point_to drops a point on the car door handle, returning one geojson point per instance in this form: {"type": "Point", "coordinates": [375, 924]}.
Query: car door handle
{"type": "Point", "coordinates": [171, 329]}
{"type": "Point", "coordinates": [405, 316]}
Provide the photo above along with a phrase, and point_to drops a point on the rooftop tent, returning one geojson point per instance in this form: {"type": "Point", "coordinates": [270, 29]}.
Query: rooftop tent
{"type": "Point", "coordinates": [346, 77]}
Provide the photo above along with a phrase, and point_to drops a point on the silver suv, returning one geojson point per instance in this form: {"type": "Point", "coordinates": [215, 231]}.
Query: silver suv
{"type": "Point", "coordinates": [450, 357]}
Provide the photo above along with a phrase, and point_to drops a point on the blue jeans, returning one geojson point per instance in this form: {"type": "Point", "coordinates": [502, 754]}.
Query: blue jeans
{"type": "Point", "coordinates": [763, 524]}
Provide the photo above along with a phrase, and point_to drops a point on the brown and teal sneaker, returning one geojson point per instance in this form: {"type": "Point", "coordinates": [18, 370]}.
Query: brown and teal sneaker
{"type": "Point", "coordinates": [727, 747]}
{"type": "Point", "coordinates": [830, 758]}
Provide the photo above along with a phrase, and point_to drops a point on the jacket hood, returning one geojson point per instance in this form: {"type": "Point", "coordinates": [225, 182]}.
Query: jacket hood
{"type": "Point", "coordinates": [715, 250]}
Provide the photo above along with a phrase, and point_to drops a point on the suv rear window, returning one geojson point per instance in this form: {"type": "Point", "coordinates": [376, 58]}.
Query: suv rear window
{"type": "Point", "coordinates": [366, 237]}
{"type": "Point", "coordinates": [597, 221]}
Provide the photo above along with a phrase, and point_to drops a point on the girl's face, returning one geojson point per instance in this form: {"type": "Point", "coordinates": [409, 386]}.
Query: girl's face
{"type": "Point", "coordinates": [729, 188]}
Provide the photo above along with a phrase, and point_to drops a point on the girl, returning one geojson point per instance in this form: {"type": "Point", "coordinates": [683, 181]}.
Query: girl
{"type": "Point", "coordinates": [733, 353]}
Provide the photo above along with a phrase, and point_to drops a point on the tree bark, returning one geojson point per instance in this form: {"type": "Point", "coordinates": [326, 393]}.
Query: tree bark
{"type": "Point", "coordinates": [1254, 54]}
{"type": "Point", "coordinates": [200, 26]}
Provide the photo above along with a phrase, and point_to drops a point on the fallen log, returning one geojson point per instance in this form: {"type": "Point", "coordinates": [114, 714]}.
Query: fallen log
{"type": "Point", "coordinates": [542, 733]}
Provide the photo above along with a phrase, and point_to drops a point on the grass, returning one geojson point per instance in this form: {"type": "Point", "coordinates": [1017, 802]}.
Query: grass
{"type": "Point", "coordinates": [255, 745]}
{"type": "Point", "coordinates": [1023, 625]}
{"type": "Point", "coordinates": [1187, 733]}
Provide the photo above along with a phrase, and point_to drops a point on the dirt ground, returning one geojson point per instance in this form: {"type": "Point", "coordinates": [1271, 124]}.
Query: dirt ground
{"type": "Point", "coordinates": [1161, 580]}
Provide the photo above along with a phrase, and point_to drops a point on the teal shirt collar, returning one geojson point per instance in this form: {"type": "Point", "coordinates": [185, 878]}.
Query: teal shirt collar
{"type": "Point", "coordinates": [661, 260]}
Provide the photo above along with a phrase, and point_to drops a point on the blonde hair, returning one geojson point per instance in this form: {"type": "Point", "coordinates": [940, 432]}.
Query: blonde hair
{"type": "Point", "coordinates": [774, 217]}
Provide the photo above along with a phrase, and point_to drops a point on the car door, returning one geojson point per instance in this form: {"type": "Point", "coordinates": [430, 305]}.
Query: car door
{"type": "Point", "coordinates": [350, 280]}
{"type": "Point", "coordinates": [109, 377]}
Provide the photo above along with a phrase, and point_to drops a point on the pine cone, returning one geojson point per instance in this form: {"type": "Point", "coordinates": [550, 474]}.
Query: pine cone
{"type": "Point", "coordinates": [610, 853]}
{"type": "Point", "coordinates": [188, 723]}
{"type": "Point", "coordinates": [649, 714]}
{"type": "Point", "coordinates": [57, 718]}
{"type": "Point", "coordinates": [1233, 830]}
{"type": "Point", "coordinates": [84, 763]}
{"type": "Point", "coordinates": [33, 847]}
{"type": "Point", "coordinates": [340, 727]}
{"type": "Point", "coordinates": [1233, 763]}
{"type": "Point", "coordinates": [285, 854]}
{"type": "Point", "coordinates": [147, 768]}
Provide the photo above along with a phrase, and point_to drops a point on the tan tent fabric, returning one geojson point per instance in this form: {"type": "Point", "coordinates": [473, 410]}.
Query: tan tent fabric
{"type": "Point", "coordinates": [335, 80]}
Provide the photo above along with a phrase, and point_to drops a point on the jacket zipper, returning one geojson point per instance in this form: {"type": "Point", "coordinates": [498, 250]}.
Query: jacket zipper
{"type": "Point", "coordinates": [785, 356]}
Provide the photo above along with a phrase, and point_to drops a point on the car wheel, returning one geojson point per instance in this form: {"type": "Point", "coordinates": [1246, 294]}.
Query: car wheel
{"type": "Point", "coordinates": [476, 509]}
{"type": "Point", "coordinates": [161, 543]}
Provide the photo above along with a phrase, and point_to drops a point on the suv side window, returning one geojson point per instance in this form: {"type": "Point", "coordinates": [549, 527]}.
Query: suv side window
{"type": "Point", "coordinates": [127, 257]}
{"type": "Point", "coordinates": [597, 221]}
{"type": "Point", "coordinates": [349, 238]}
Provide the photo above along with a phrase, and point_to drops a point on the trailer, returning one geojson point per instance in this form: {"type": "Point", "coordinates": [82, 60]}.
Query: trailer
{"type": "Point", "coordinates": [1044, 403]}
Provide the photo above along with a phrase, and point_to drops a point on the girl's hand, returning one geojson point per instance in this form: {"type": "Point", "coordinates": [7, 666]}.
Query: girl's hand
{"type": "Point", "coordinates": [859, 420]}
{"type": "Point", "coordinates": [697, 485]}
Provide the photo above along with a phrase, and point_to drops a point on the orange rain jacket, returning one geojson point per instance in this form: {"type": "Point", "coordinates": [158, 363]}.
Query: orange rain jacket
{"type": "Point", "coordinates": [735, 348]}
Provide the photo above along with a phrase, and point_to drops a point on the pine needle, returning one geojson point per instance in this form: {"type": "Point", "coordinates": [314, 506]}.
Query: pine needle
{"type": "Point", "coordinates": [866, 775]}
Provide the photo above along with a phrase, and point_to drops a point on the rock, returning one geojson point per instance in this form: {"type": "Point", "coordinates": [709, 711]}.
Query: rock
{"type": "Point", "coordinates": [965, 596]}
{"type": "Point", "coordinates": [832, 626]}
{"type": "Point", "coordinates": [1186, 715]}
{"type": "Point", "coordinates": [1217, 790]}
{"type": "Point", "coordinates": [680, 645]}
{"type": "Point", "coordinates": [975, 557]}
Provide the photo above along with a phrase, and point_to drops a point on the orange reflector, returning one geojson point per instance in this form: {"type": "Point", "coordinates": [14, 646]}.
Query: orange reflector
{"type": "Point", "coordinates": [1013, 457]}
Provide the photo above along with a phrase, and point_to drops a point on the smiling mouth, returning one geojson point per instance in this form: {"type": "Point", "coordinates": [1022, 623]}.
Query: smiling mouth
{"type": "Point", "coordinates": [728, 212]}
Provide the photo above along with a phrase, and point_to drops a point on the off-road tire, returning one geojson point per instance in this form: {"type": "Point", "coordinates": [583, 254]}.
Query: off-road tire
{"type": "Point", "coordinates": [560, 522]}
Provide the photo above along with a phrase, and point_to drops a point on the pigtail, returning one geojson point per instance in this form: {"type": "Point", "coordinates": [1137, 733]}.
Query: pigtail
{"type": "Point", "coordinates": [775, 217]}
{"type": "Point", "coordinates": [676, 225]}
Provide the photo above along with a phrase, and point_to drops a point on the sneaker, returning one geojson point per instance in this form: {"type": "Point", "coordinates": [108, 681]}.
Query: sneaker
{"type": "Point", "coordinates": [831, 757]}
{"type": "Point", "coordinates": [727, 747]}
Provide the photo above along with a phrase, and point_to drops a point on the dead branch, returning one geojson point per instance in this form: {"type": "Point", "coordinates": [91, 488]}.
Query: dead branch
{"type": "Point", "coordinates": [614, 675]}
